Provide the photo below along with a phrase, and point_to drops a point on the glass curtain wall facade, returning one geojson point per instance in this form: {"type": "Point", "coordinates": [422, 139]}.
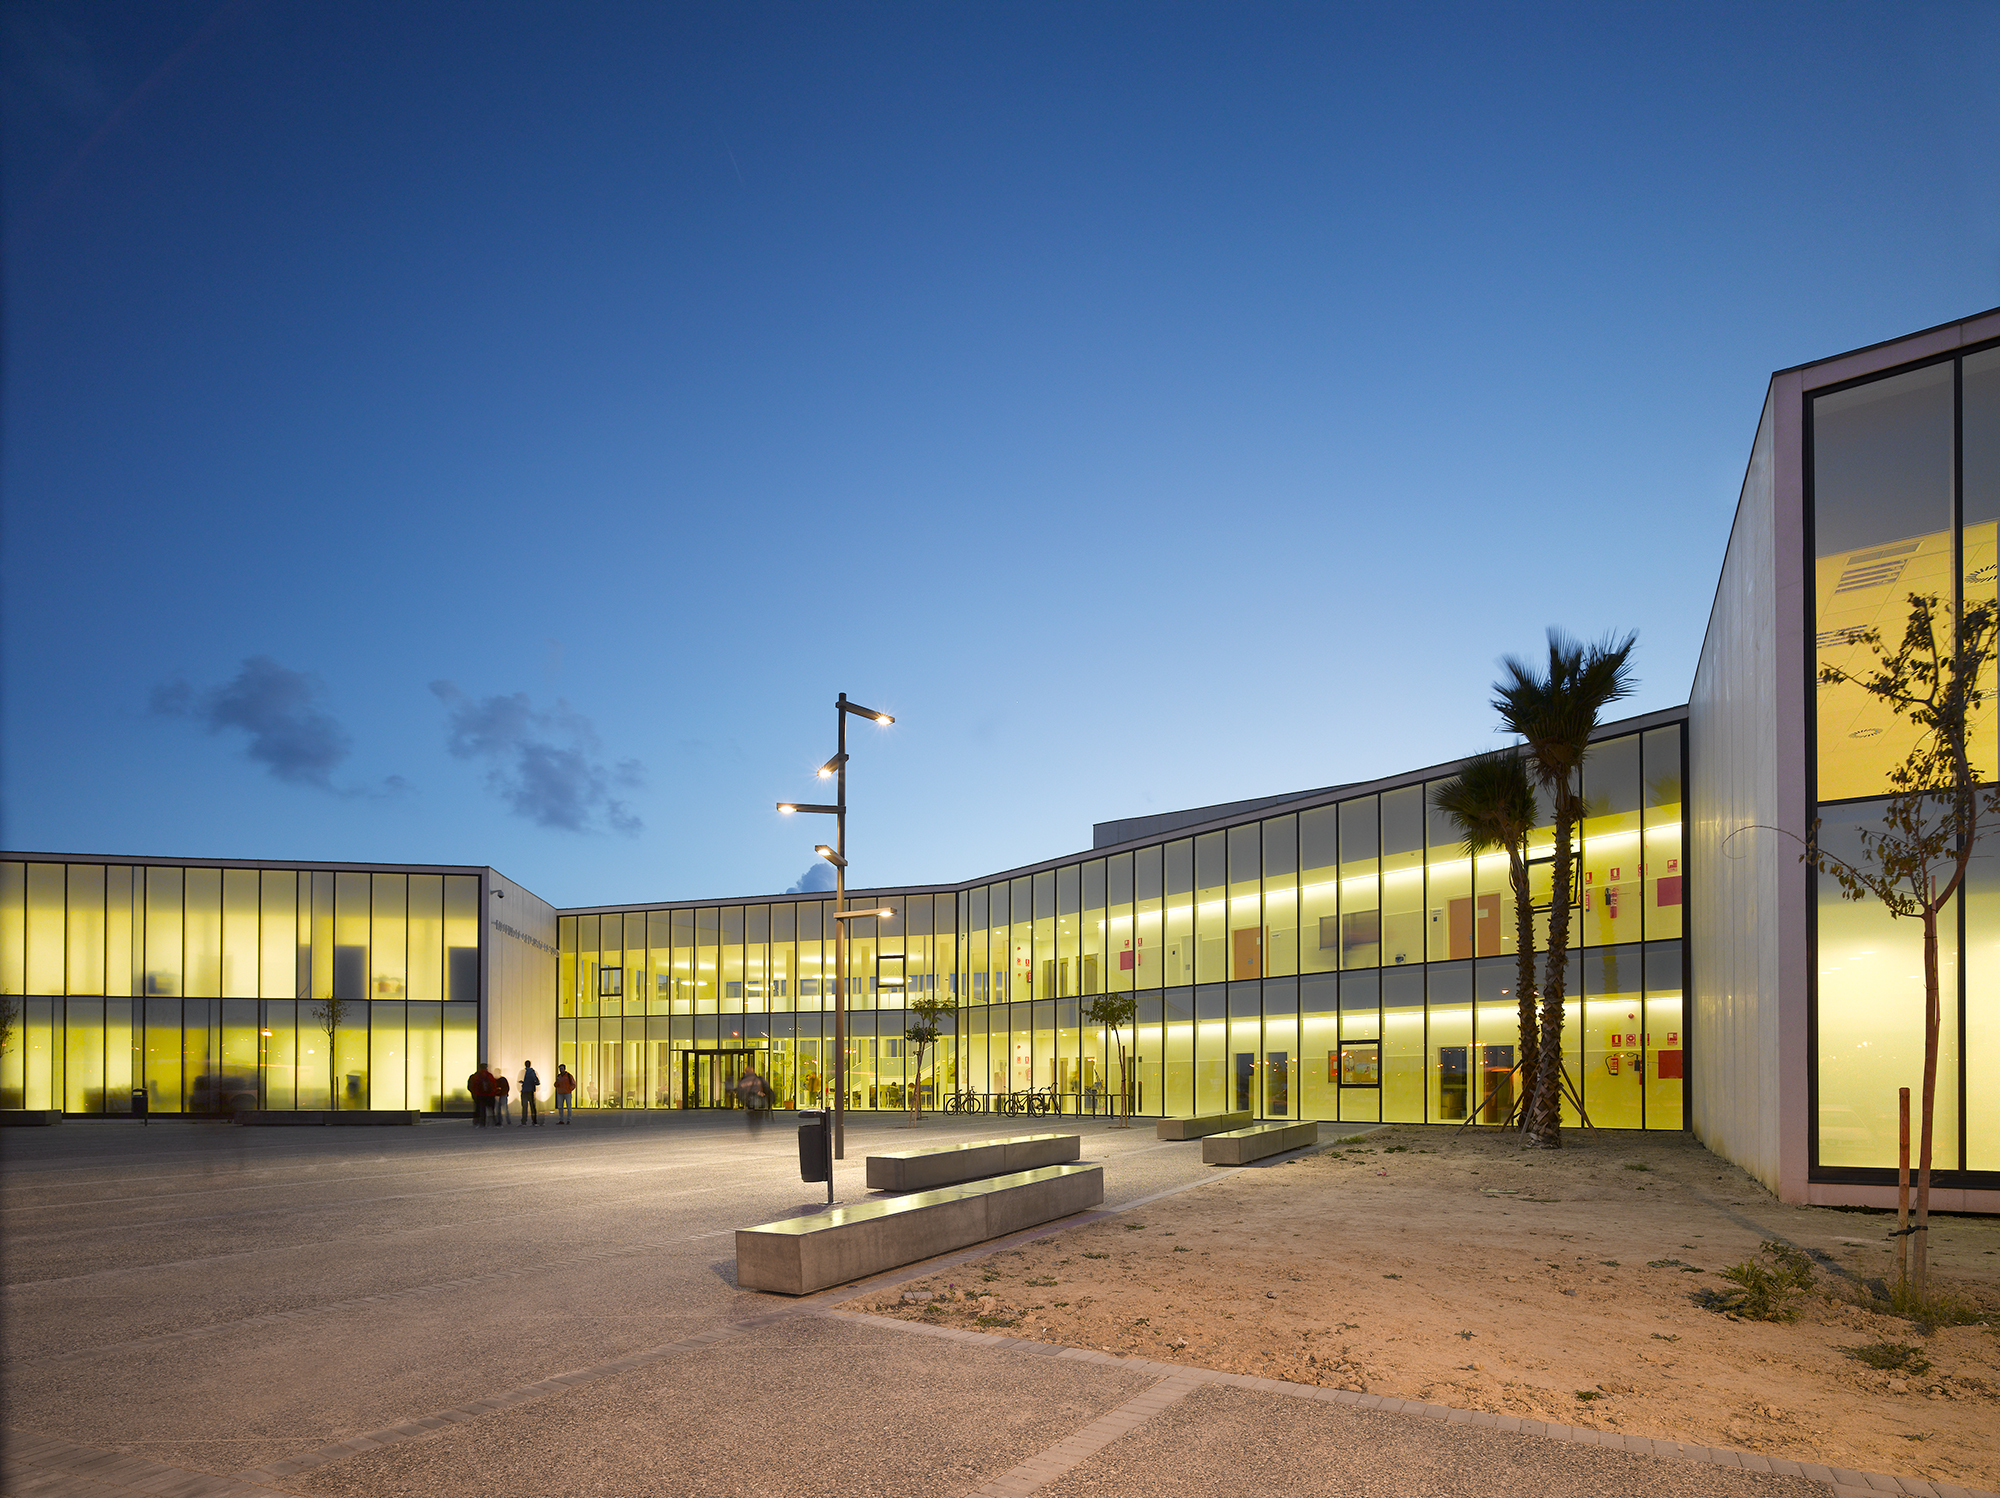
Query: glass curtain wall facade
{"type": "Point", "coordinates": [1337, 961]}
{"type": "Point", "coordinates": [665, 1007]}
{"type": "Point", "coordinates": [1903, 497]}
{"type": "Point", "coordinates": [203, 987]}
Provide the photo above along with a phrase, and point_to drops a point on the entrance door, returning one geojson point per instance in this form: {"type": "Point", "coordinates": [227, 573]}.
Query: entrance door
{"type": "Point", "coordinates": [709, 1078]}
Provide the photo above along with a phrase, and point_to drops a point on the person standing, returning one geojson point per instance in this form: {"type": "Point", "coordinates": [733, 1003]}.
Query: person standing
{"type": "Point", "coordinates": [529, 1083]}
{"type": "Point", "coordinates": [501, 1086]}
{"type": "Point", "coordinates": [565, 1090]}
{"type": "Point", "coordinates": [480, 1085]}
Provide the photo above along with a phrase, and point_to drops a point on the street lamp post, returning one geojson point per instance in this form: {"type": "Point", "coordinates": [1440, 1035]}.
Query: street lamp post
{"type": "Point", "coordinates": [837, 856]}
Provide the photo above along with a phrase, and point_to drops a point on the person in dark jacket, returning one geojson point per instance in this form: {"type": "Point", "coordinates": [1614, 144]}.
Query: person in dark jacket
{"type": "Point", "coordinates": [529, 1082]}
{"type": "Point", "coordinates": [501, 1087]}
{"type": "Point", "coordinates": [480, 1085]}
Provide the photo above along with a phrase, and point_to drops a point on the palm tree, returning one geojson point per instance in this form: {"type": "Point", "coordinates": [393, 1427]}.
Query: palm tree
{"type": "Point", "coordinates": [1492, 803]}
{"type": "Point", "coordinates": [1554, 713]}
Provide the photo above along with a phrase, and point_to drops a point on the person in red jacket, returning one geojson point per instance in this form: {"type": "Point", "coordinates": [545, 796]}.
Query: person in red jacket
{"type": "Point", "coordinates": [480, 1085]}
{"type": "Point", "coordinates": [565, 1090]}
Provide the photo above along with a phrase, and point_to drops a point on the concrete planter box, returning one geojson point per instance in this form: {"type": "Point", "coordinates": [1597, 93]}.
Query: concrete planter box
{"type": "Point", "coordinates": [1241, 1146]}
{"type": "Point", "coordinates": [804, 1254]}
{"type": "Point", "coordinates": [1200, 1127]}
{"type": "Point", "coordinates": [318, 1117]}
{"type": "Point", "coordinates": [925, 1170]}
{"type": "Point", "coordinates": [30, 1118]}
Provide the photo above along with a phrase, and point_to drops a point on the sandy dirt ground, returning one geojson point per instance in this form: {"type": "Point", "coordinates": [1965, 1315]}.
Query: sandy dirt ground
{"type": "Point", "coordinates": [1464, 1270]}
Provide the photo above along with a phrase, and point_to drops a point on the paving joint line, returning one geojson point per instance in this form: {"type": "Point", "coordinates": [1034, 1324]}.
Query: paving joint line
{"type": "Point", "coordinates": [1043, 1468]}
{"type": "Point", "coordinates": [1845, 1482]}
{"type": "Point", "coordinates": [31, 1452]}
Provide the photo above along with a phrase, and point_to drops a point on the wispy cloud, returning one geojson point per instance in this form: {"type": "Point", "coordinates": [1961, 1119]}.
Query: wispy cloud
{"type": "Point", "coordinates": [278, 710]}
{"type": "Point", "coordinates": [815, 880]}
{"type": "Point", "coordinates": [544, 763]}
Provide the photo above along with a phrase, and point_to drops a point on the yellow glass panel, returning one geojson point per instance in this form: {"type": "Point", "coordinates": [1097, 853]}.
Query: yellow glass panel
{"type": "Point", "coordinates": [202, 974]}
{"type": "Point", "coordinates": [46, 901]}
{"type": "Point", "coordinates": [1871, 1023]}
{"type": "Point", "coordinates": [86, 928]}
{"type": "Point", "coordinates": [278, 942]}
{"type": "Point", "coordinates": [163, 945]}
{"type": "Point", "coordinates": [118, 935]}
{"type": "Point", "coordinates": [425, 978]}
{"type": "Point", "coordinates": [388, 951]}
{"type": "Point", "coordinates": [13, 927]}
{"type": "Point", "coordinates": [239, 933]}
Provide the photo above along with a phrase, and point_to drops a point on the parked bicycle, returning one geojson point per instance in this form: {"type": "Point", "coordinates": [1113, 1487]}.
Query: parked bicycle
{"type": "Point", "coordinates": [965, 1102]}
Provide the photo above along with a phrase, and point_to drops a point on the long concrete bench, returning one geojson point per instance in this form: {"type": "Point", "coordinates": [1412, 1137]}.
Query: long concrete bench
{"type": "Point", "coordinates": [804, 1254]}
{"type": "Point", "coordinates": [1241, 1146]}
{"type": "Point", "coordinates": [1200, 1127]}
{"type": "Point", "coordinates": [306, 1118]}
{"type": "Point", "coordinates": [923, 1170]}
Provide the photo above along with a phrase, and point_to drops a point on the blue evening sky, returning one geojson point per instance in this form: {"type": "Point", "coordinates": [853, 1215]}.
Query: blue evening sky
{"type": "Point", "coordinates": [493, 433]}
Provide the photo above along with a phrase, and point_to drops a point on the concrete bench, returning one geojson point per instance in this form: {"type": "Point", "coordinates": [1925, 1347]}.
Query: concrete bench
{"type": "Point", "coordinates": [804, 1254]}
{"type": "Point", "coordinates": [923, 1170]}
{"type": "Point", "coordinates": [30, 1118]}
{"type": "Point", "coordinates": [1201, 1127]}
{"type": "Point", "coordinates": [1241, 1146]}
{"type": "Point", "coordinates": [305, 1118]}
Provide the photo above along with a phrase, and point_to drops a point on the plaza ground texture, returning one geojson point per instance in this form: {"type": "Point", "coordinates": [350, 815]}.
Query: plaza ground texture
{"type": "Point", "coordinates": [201, 1310]}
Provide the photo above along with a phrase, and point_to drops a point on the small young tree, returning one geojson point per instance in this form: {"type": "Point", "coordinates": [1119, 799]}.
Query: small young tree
{"type": "Point", "coordinates": [10, 1013]}
{"type": "Point", "coordinates": [331, 1013]}
{"type": "Point", "coordinates": [1114, 1011]}
{"type": "Point", "coordinates": [926, 1014]}
{"type": "Point", "coordinates": [1915, 862]}
{"type": "Point", "coordinates": [1492, 804]}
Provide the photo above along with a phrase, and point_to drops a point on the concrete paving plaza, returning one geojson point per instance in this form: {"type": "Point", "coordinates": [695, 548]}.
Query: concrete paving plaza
{"type": "Point", "coordinates": [195, 1309]}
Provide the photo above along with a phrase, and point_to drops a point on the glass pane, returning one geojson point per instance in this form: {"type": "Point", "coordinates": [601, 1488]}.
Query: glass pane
{"type": "Point", "coordinates": [1614, 1037]}
{"type": "Point", "coordinates": [46, 901]}
{"type": "Point", "coordinates": [1403, 876]}
{"type": "Point", "coordinates": [1979, 416]}
{"type": "Point", "coordinates": [1211, 915]}
{"type": "Point", "coordinates": [1871, 1013]}
{"type": "Point", "coordinates": [425, 1071]}
{"type": "Point", "coordinates": [1610, 852]}
{"type": "Point", "coordinates": [351, 900]}
{"type": "Point", "coordinates": [1179, 933]}
{"type": "Point", "coordinates": [1120, 960]}
{"type": "Point", "coordinates": [1091, 933]}
{"type": "Point", "coordinates": [1148, 932]}
{"type": "Point", "coordinates": [1662, 816]}
{"type": "Point", "coordinates": [1360, 885]}
{"type": "Point", "coordinates": [13, 928]}
{"type": "Point", "coordinates": [1319, 1040]}
{"type": "Point", "coordinates": [1453, 922]}
{"type": "Point", "coordinates": [86, 929]}
{"type": "Point", "coordinates": [163, 941]}
{"type": "Point", "coordinates": [239, 933]}
{"type": "Point", "coordinates": [1403, 1061]}
{"type": "Point", "coordinates": [424, 977]}
{"type": "Point", "coordinates": [1246, 913]}
{"type": "Point", "coordinates": [118, 965]}
{"type": "Point", "coordinates": [1179, 1020]}
{"type": "Point", "coordinates": [461, 942]}
{"type": "Point", "coordinates": [1665, 1055]}
{"type": "Point", "coordinates": [1882, 502]}
{"type": "Point", "coordinates": [388, 1080]}
{"type": "Point", "coordinates": [203, 971]}
{"type": "Point", "coordinates": [1281, 896]}
{"type": "Point", "coordinates": [278, 938]}
{"type": "Point", "coordinates": [1044, 971]}
{"type": "Point", "coordinates": [1319, 890]}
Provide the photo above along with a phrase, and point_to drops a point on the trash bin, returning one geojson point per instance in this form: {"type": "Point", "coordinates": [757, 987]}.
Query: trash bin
{"type": "Point", "coordinates": [815, 1145]}
{"type": "Point", "coordinates": [139, 1102]}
